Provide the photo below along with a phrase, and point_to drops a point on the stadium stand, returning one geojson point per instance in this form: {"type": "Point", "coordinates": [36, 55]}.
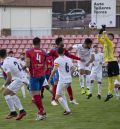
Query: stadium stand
{"type": "Point", "coordinates": [21, 44]}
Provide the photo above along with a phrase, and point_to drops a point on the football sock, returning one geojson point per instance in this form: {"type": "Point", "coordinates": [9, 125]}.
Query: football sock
{"type": "Point", "coordinates": [91, 88]}
{"type": "Point", "coordinates": [99, 89]}
{"type": "Point", "coordinates": [38, 103]}
{"type": "Point", "coordinates": [110, 85]}
{"type": "Point", "coordinates": [88, 81]}
{"type": "Point", "coordinates": [70, 92]}
{"type": "Point", "coordinates": [42, 90]}
{"type": "Point", "coordinates": [23, 91]}
{"type": "Point", "coordinates": [64, 104]}
{"type": "Point", "coordinates": [10, 103]}
{"type": "Point", "coordinates": [54, 92]}
{"type": "Point", "coordinates": [17, 102]}
{"type": "Point", "coordinates": [82, 79]}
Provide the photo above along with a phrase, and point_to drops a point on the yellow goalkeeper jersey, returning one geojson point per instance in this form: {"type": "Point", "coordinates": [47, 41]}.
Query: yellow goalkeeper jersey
{"type": "Point", "coordinates": [108, 48]}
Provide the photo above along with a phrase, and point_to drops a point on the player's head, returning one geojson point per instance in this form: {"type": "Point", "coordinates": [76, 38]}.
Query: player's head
{"type": "Point", "coordinates": [58, 41]}
{"type": "Point", "coordinates": [36, 42]}
{"type": "Point", "coordinates": [111, 36]}
{"type": "Point", "coordinates": [88, 43]}
{"type": "Point", "coordinates": [3, 53]}
{"type": "Point", "coordinates": [95, 48]}
{"type": "Point", "coordinates": [22, 56]}
{"type": "Point", "coordinates": [10, 53]}
{"type": "Point", "coordinates": [61, 51]}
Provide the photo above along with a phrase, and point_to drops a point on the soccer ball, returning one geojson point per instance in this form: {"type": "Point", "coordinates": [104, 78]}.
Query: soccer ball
{"type": "Point", "coordinates": [92, 25]}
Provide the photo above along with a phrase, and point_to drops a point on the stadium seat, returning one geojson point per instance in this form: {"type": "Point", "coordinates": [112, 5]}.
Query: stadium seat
{"type": "Point", "coordinates": [22, 46]}
{"type": "Point", "coordinates": [48, 41]}
{"type": "Point", "coordinates": [28, 46]}
{"type": "Point", "coordinates": [66, 41]}
{"type": "Point", "coordinates": [1, 41]}
{"type": "Point", "coordinates": [77, 41]}
{"type": "Point", "coordinates": [10, 46]}
{"type": "Point", "coordinates": [72, 41]}
{"type": "Point", "coordinates": [16, 46]}
{"type": "Point", "coordinates": [18, 42]}
{"type": "Point", "coordinates": [12, 42]}
{"type": "Point", "coordinates": [24, 41]}
{"type": "Point", "coordinates": [20, 50]}
{"type": "Point", "coordinates": [4, 46]}
{"type": "Point", "coordinates": [6, 42]}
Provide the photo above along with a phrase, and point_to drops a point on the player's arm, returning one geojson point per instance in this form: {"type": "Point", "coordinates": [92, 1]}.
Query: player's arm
{"type": "Point", "coordinates": [101, 40]}
{"type": "Point", "coordinates": [56, 65]}
{"type": "Point", "coordinates": [27, 61]}
{"type": "Point", "coordinates": [108, 41]}
{"type": "Point", "coordinates": [91, 60]}
{"type": "Point", "coordinates": [71, 56]}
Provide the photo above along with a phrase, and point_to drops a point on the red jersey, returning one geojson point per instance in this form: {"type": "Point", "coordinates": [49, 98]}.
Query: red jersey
{"type": "Point", "coordinates": [37, 62]}
{"type": "Point", "coordinates": [54, 54]}
{"type": "Point", "coordinates": [49, 64]}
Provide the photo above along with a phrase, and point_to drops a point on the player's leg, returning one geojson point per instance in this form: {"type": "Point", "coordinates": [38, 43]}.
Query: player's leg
{"type": "Point", "coordinates": [35, 87]}
{"type": "Point", "coordinates": [82, 79]}
{"type": "Point", "coordinates": [88, 82]}
{"type": "Point", "coordinates": [116, 89]}
{"type": "Point", "coordinates": [60, 97]}
{"type": "Point", "coordinates": [70, 93]}
{"type": "Point", "coordinates": [55, 81]}
{"type": "Point", "coordinates": [7, 95]}
{"type": "Point", "coordinates": [14, 87]}
{"type": "Point", "coordinates": [23, 91]}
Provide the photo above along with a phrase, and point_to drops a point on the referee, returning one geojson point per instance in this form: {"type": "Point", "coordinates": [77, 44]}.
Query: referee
{"type": "Point", "coordinates": [106, 40]}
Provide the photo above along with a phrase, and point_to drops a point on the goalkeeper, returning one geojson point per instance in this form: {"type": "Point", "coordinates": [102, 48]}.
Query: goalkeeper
{"type": "Point", "coordinates": [106, 40]}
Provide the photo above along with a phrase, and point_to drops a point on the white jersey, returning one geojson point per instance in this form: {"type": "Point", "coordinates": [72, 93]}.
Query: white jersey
{"type": "Point", "coordinates": [116, 81]}
{"type": "Point", "coordinates": [64, 68]}
{"type": "Point", "coordinates": [83, 53]}
{"type": "Point", "coordinates": [97, 63]}
{"type": "Point", "coordinates": [13, 66]}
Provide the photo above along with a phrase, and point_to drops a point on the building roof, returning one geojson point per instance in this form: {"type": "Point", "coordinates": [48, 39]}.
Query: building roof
{"type": "Point", "coordinates": [26, 3]}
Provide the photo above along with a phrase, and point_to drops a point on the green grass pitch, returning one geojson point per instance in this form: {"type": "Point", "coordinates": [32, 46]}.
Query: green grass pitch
{"type": "Point", "coordinates": [89, 114]}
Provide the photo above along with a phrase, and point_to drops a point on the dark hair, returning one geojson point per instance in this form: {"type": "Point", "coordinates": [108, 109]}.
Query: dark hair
{"type": "Point", "coordinates": [111, 34]}
{"type": "Point", "coordinates": [22, 54]}
{"type": "Point", "coordinates": [58, 40]}
{"type": "Point", "coordinates": [3, 53]}
{"type": "Point", "coordinates": [36, 41]}
{"type": "Point", "coordinates": [10, 52]}
{"type": "Point", "coordinates": [88, 41]}
{"type": "Point", "coordinates": [60, 50]}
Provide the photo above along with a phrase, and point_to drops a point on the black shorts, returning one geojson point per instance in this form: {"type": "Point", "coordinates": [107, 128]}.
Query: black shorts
{"type": "Point", "coordinates": [113, 69]}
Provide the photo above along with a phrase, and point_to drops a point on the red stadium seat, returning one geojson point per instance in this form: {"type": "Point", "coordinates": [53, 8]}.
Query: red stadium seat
{"type": "Point", "coordinates": [16, 46]}
{"type": "Point", "coordinates": [1, 41]}
{"type": "Point", "coordinates": [30, 41]}
{"type": "Point", "coordinates": [18, 42]}
{"type": "Point", "coordinates": [4, 46]}
{"type": "Point", "coordinates": [42, 41]}
{"type": "Point", "coordinates": [20, 50]}
{"type": "Point", "coordinates": [22, 46]}
{"type": "Point", "coordinates": [117, 50]}
{"type": "Point", "coordinates": [72, 41]}
{"type": "Point", "coordinates": [10, 46]}
{"type": "Point", "coordinates": [48, 41]}
{"type": "Point", "coordinates": [24, 41]}
{"type": "Point", "coordinates": [12, 42]}
{"type": "Point", "coordinates": [77, 41]}
{"type": "Point", "coordinates": [28, 46]}
{"type": "Point", "coordinates": [6, 42]}
{"type": "Point", "coordinates": [66, 41]}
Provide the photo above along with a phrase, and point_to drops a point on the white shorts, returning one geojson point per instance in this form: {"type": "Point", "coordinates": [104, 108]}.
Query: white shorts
{"type": "Point", "coordinates": [61, 87]}
{"type": "Point", "coordinates": [116, 82]}
{"type": "Point", "coordinates": [45, 83]}
{"type": "Point", "coordinates": [96, 76]}
{"type": "Point", "coordinates": [15, 85]}
{"type": "Point", "coordinates": [82, 65]}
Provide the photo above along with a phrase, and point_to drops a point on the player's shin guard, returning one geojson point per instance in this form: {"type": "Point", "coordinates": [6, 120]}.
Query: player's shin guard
{"type": "Point", "coordinates": [23, 91]}
{"type": "Point", "coordinates": [10, 103]}
{"type": "Point", "coordinates": [17, 102]}
{"type": "Point", "coordinates": [99, 88]}
{"type": "Point", "coordinates": [70, 92]}
{"type": "Point", "coordinates": [54, 92]}
{"type": "Point", "coordinates": [82, 79]}
{"type": "Point", "coordinates": [88, 81]}
{"type": "Point", "coordinates": [110, 85]}
{"type": "Point", "coordinates": [64, 104]}
{"type": "Point", "coordinates": [38, 103]}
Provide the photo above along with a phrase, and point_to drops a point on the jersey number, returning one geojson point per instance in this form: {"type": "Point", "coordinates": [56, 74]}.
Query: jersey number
{"type": "Point", "coordinates": [19, 67]}
{"type": "Point", "coordinates": [38, 57]}
{"type": "Point", "coordinates": [67, 67]}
